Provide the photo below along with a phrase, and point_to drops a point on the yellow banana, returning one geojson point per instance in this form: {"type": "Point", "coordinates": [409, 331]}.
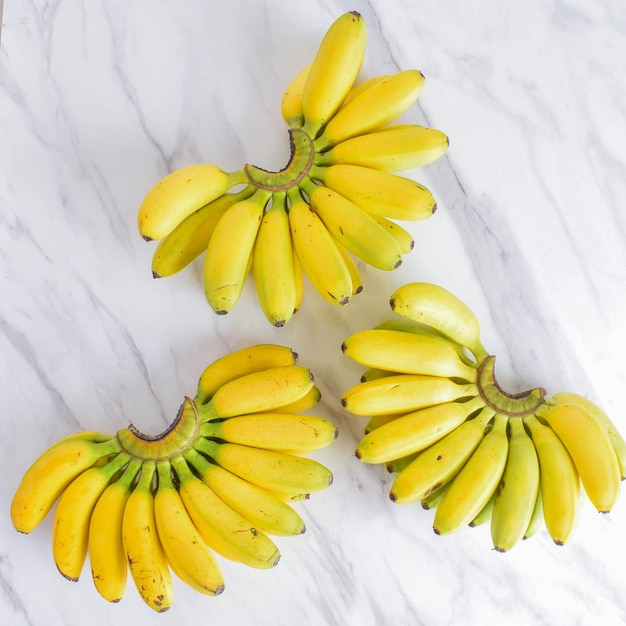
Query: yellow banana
{"type": "Point", "coordinates": [380, 420]}
{"type": "Point", "coordinates": [441, 462]}
{"type": "Point", "coordinates": [536, 519]}
{"type": "Point", "coordinates": [403, 393]}
{"type": "Point", "coordinates": [107, 557]}
{"type": "Point", "coordinates": [401, 235]}
{"type": "Point", "coordinates": [373, 373]}
{"type": "Point", "coordinates": [485, 514]}
{"type": "Point", "coordinates": [50, 474]}
{"type": "Point", "coordinates": [359, 88]}
{"type": "Point", "coordinates": [191, 237]}
{"type": "Point", "coordinates": [291, 104]}
{"type": "Point", "coordinates": [436, 307]}
{"type": "Point", "coordinates": [414, 431]}
{"type": "Point", "coordinates": [559, 481]}
{"type": "Point", "coordinates": [591, 450]}
{"type": "Point", "coordinates": [94, 436]}
{"type": "Point", "coordinates": [144, 551]}
{"type": "Point", "coordinates": [390, 150]}
{"type": "Point", "coordinates": [179, 194]}
{"type": "Point", "coordinates": [377, 192]}
{"type": "Point", "coordinates": [187, 553]}
{"type": "Point", "coordinates": [264, 512]}
{"type": "Point", "coordinates": [408, 353]}
{"type": "Point", "coordinates": [397, 465]}
{"type": "Point", "coordinates": [516, 495]}
{"type": "Point", "coordinates": [299, 282]}
{"type": "Point", "coordinates": [353, 227]}
{"type": "Point", "coordinates": [333, 71]}
{"type": "Point", "coordinates": [318, 253]}
{"type": "Point", "coordinates": [228, 257]}
{"type": "Point", "coordinates": [239, 363]}
{"type": "Point", "coordinates": [375, 106]}
{"type": "Point", "coordinates": [220, 526]}
{"type": "Point", "coordinates": [307, 401]}
{"type": "Point", "coordinates": [273, 266]}
{"type": "Point", "coordinates": [434, 498]}
{"type": "Point", "coordinates": [70, 531]}
{"type": "Point", "coordinates": [476, 482]}
{"type": "Point", "coordinates": [353, 268]}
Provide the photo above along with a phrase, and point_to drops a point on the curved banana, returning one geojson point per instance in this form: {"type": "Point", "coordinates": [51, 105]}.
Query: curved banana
{"type": "Point", "coordinates": [397, 465]}
{"type": "Point", "coordinates": [220, 526]}
{"type": "Point", "coordinates": [517, 493]}
{"type": "Point", "coordinates": [434, 498]}
{"type": "Point", "coordinates": [144, 550]}
{"type": "Point", "coordinates": [401, 235]}
{"type": "Point", "coordinates": [333, 71]}
{"type": "Point", "coordinates": [307, 401]}
{"type": "Point", "coordinates": [187, 553]}
{"type": "Point", "coordinates": [476, 482]}
{"type": "Point", "coordinates": [536, 519]}
{"type": "Point", "coordinates": [359, 88]}
{"type": "Point", "coordinates": [228, 258]}
{"type": "Point", "coordinates": [299, 282]}
{"type": "Point", "coordinates": [485, 514]}
{"type": "Point", "coordinates": [373, 373]}
{"type": "Point", "coordinates": [291, 103]}
{"type": "Point", "coordinates": [376, 421]}
{"type": "Point", "coordinates": [353, 268]}
{"type": "Point", "coordinates": [239, 363]}
{"type": "Point", "coordinates": [179, 194]}
{"type": "Point", "coordinates": [50, 474]}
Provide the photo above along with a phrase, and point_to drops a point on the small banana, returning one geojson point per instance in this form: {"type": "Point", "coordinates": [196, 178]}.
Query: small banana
{"type": "Point", "coordinates": [401, 235]}
{"type": "Point", "coordinates": [485, 514]}
{"type": "Point", "coordinates": [397, 465]}
{"type": "Point", "coordinates": [377, 421]}
{"type": "Point", "coordinates": [353, 268]}
{"type": "Point", "coordinates": [536, 519]}
{"type": "Point", "coordinates": [307, 401]}
{"type": "Point", "coordinates": [360, 87]}
{"type": "Point", "coordinates": [291, 103]}
{"type": "Point", "coordinates": [434, 498]}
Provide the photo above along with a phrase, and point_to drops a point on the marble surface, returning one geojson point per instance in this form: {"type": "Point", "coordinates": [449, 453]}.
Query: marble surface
{"type": "Point", "coordinates": [98, 100]}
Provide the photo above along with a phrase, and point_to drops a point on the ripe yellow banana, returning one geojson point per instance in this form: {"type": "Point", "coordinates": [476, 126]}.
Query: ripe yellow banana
{"type": "Point", "coordinates": [434, 498]}
{"type": "Point", "coordinates": [191, 237]}
{"type": "Point", "coordinates": [333, 71]}
{"type": "Point", "coordinates": [373, 373]}
{"type": "Point", "coordinates": [70, 531]}
{"type": "Point", "coordinates": [440, 463]}
{"type": "Point", "coordinates": [239, 363]}
{"type": "Point", "coordinates": [536, 519]}
{"type": "Point", "coordinates": [291, 104]}
{"type": "Point", "coordinates": [409, 353]}
{"type": "Point", "coordinates": [397, 465]}
{"type": "Point", "coordinates": [273, 266]}
{"type": "Point", "coordinates": [559, 481]}
{"type": "Point", "coordinates": [50, 474]}
{"type": "Point", "coordinates": [377, 421]}
{"type": "Point", "coordinates": [485, 514]}
{"type": "Point", "coordinates": [107, 557]}
{"type": "Point", "coordinates": [353, 227]}
{"type": "Point", "coordinates": [228, 257]}
{"type": "Point", "coordinates": [179, 194]}
{"type": "Point", "coordinates": [220, 526]}
{"type": "Point", "coordinates": [476, 482]}
{"type": "Point", "coordinates": [377, 192]}
{"type": "Point", "coordinates": [591, 450]}
{"type": "Point", "coordinates": [517, 493]}
{"type": "Point", "coordinates": [144, 551]}
{"type": "Point", "coordinates": [375, 106]}
{"type": "Point", "coordinates": [353, 268]}
{"type": "Point", "coordinates": [307, 401]}
{"type": "Point", "coordinates": [391, 150]}
{"type": "Point", "coordinates": [359, 88]}
{"type": "Point", "coordinates": [414, 431]}
{"type": "Point", "coordinates": [299, 282]}
{"type": "Point", "coordinates": [401, 235]}
{"type": "Point", "coordinates": [188, 555]}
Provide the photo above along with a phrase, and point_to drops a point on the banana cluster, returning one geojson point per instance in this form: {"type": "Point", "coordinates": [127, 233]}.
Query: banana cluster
{"type": "Point", "coordinates": [221, 480]}
{"type": "Point", "coordinates": [335, 203]}
{"type": "Point", "coordinates": [461, 445]}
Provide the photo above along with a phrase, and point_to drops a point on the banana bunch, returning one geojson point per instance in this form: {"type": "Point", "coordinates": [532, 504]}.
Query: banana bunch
{"type": "Point", "coordinates": [461, 445]}
{"type": "Point", "coordinates": [221, 480]}
{"type": "Point", "coordinates": [334, 203]}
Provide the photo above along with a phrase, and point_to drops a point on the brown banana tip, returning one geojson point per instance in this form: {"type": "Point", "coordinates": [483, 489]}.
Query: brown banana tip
{"type": "Point", "coordinates": [155, 275]}
{"type": "Point", "coordinates": [392, 304]}
{"type": "Point", "coordinates": [425, 506]}
{"type": "Point", "coordinates": [220, 312]}
{"type": "Point", "coordinates": [392, 496]}
{"type": "Point", "coordinates": [330, 479]}
{"type": "Point", "coordinates": [357, 454]}
{"type": "Point", "coordinates": [303, 529]}
{"type": "Point", "coordinates": [336, 434]}
{"type": "Point", "coordinates": [344, 402]}
{"type": "Point", "coordinates": [356, 14]}
{"type": "Point", "coordinates": [344, 301]}
{"type": "Point", "coordinates": [279, 323]}
{"type": "Point", "coordinates": [344, 347]}
{"type": "Point", "coordinates": [311, 376]}
{"type": "Point", "coordinates": [434, 207]}
{"type": "Point", "coordinates": [146, 238]}
{"type": "Point", "coordinates": [219, 590]}
{"type": "Point", "coordinates": [436, 531]}
{"type": "Point", "coordinates": [398, 264]}
{"type": "Point", "coordinates": [359, 289]}
{"type": "Point", "coordinates": [295, 355]}
{"type": "Point", "coordinates": [502, 550]}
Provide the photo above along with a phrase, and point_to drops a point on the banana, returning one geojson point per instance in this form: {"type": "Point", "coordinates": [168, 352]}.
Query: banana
{"type": "Point", "coordinates": [372, 373]}
{"type": "Point", "coordinates": [318, 253]}
{"type": "Point", "coordinates": [264, 512]}
{"type": "Point", "coordinates": [191, 237]}
{"type": "Point", "coordinates": [441, 462]}
{"type": "Point", "coordinates": [377, 192]}
{"type": "Point", "coordinates": [559, 481]}
{"type": "Point", "coordinates": [353, 269]}
{"type": "Point", "coordinates": [401, 235]}
{"type": "Point", "coordinates": [188, 555]}
{"type": "Point", "coordinates": [291, 103]}
{"type": "Point", "coordinates": [408, 353]}
{"type": "Point", "coordinates": [374, 107]}
{"type": "Point", "coordinates": [414, 431]}
{"type": "Point", "coordinates": [220, 526]}
{"type": "Point", "coordinates": [436, 307]}
{"type": "Point", "coordinates": [597, 414]}
{"type": "Point", "coordinates": [397, 465]}
{"type": "Point", "coordinates": [516, 495]}
{"type": "Point", "coordinates": [267, 468]}
{"type": "Point", "coordinates": [434, 498]}
{"type": "Point", "coordinates": [87, 435]}
{"type": "Point", "coordinates": [485, 514]}
{"type": "Point", "coordinates": [109, 567]}
{"type": "Point", "coordinates": [591, 450]}
{"type": "Point", "coordinates": [144, 550]}
{"type": "Point", "coordinates": [333, 71]}
{"type": "Point", "coordinates": [299, 282]}
{"type": "Point", "coordinates": [307, 401]}
{"type": "Point", "coordinates": [380, 420]}
{"type": "Point", "coordinates": [476, 482]}
{"type": "Point", "coordinates": [239, 363]}
{"type": "Point", "coordinates": [359, 88]}
{"type": "Point", "coordinates": [70, 531]}
{"type": "Point", "coordinates": [536, 519]}
{"type": "Point", "coordinates": [285, 432]}
{"type": "Point", "coordinates": [228, 258]}
{"type": "Point", "coordinates": [392, 149]}
{"type": "Point", "coordinates": [353, 227]}
{"type": "Point", "coordinates": [179, 194]}
{"type": "Point", "coordinates": [403, 393]}
{"type": "Point", "coordinates": [50, 474]}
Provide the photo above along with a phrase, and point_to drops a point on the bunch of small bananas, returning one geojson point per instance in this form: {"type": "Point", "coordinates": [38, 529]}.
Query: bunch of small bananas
{"type": "Point", "coordinates": [219, 480]}
{"type": "Point", "coordinates": [336, 199]}
{"type": "Point", "coordinates": [459, 443]}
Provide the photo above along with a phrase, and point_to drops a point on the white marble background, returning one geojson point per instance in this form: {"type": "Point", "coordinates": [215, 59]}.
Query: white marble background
{"type": "Point", "coordinates": [100, 99]}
